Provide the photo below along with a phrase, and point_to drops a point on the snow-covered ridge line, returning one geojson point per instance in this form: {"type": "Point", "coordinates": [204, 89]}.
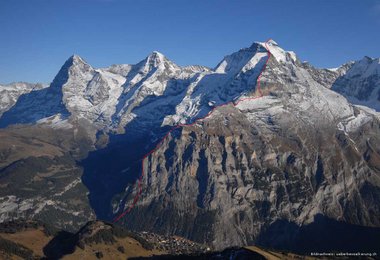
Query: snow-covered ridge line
{"type": "Point", "coordinates": [10, 93]}
{"type": "Point", "coordinates": [158, 89]}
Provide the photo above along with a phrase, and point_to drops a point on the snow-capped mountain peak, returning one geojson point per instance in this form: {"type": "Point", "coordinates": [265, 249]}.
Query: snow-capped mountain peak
{"type": "Point", "coordinates": [294, 149]}
{"type": "Point", "coordinates": [361, 82]}
{"type": "Point", "coordinates": [234, 63]}
{"type": "Point", "coordinates": [157, 60]}
{"type": "Point", "coordinates": [277, 52]}
{"type": "Point", "coordinates": [156, 57]}
{"type": "Point", "coordinates": [365, 67]}
{"type": "Point", "coordinates": [77, 59]}
{"type": "Point", "coordinates": [10, 93]}
{"type": "Point", "coordinates": [111, 97]}
{"type": "Point", "coordinates": [77, 63]}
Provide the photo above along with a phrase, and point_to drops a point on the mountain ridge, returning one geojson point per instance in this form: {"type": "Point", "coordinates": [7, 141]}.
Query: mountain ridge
{"type": "Point", "coordinates": [299, 152]}
{"type": "Point", "coordinates": [123, 80]}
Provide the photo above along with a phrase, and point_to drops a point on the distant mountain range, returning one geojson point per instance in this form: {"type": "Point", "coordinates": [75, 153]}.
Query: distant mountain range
{"type": "Point", "coordinates": [274, 170]}
{"type": "Point", "coordinates": [106, 97]}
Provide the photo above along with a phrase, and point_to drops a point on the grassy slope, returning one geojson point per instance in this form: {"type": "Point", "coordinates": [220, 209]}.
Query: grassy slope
{"type": "Point", "coordinates": [36, 240]}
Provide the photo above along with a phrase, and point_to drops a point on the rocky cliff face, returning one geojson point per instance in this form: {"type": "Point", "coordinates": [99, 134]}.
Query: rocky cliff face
{"type": "Point", "coordinates": [226, 180]}
{"type": "Point", "coordinates": [299, 152]}
{"type": "Point", "coordinates": [40, 178]}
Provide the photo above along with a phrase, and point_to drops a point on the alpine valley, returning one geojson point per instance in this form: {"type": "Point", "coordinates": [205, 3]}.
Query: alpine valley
{"type": "Point", "coordinates": [263, 149]}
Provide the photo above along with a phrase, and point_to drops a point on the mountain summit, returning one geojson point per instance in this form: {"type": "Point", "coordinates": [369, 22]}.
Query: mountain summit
{"type": "Point", "coordinates": [361, 83]}
{"type": "Point", "coordinates": [216, 160]}
{"type": "Point", "coordinates": [106, 97]}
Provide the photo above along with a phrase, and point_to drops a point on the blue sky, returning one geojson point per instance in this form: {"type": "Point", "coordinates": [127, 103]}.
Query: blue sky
{"type": "Point", "coordinates": [36, 37]}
